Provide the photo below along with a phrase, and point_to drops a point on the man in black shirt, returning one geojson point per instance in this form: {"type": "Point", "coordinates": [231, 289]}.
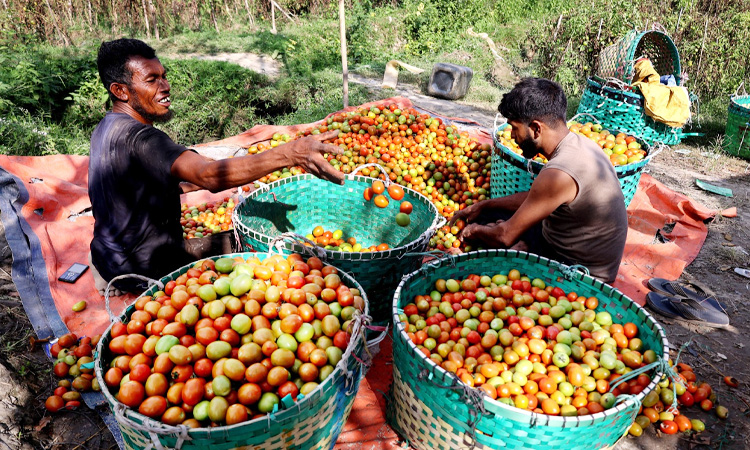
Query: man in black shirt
{"type": "Point", "coordinates": [137, 173]}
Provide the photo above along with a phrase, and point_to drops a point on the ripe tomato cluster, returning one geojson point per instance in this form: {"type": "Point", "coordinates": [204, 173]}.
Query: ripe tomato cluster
{"type": "Point", "coordinates": [229, 339]}
{"type": "Point", "coordinates": [621, 148]}
{"type": "Point", "coordinates": [527, 344]}
{"type": "Point", "coordinates": [657, 404]}
{"type": "Point", "coordinates": [447, 237]}
{"type": "Point", "coordinates": [334, 240]}
{"type": "Point", "coordinates": [70, 355]}
{"type": "Point", "coordinates": [207, 218]}
{"type": "Point", "coordinates": [376, 193]}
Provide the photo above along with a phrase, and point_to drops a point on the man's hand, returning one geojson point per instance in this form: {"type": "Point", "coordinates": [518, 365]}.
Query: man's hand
{"type": "Point", "coordinates": [468, 215]}
{"type": "Point", "coordinates": [308, 151]}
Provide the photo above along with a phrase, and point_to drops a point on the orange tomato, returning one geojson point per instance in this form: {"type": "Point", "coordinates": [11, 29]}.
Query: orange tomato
{"type": "Point", "coordinates": [378, 187]}
{"type": "Point", "coordinates": [368, 194]}
{"type": "Point", "coordinates": [406, 207]}
{"type": "Point", "coordinates": [381, 201]}
{"type": "Point", "coordinates": [396, 192]}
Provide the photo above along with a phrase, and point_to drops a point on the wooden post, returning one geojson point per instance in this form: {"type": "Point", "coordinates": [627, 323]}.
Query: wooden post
{"type": "Point", "coordinates": [344, 67]}
{"type": "Point", "coordinates": [273, 17]}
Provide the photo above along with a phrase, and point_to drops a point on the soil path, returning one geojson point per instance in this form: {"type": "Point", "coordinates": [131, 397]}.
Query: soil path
{"type": "Point", "coordinates": [713, 353]}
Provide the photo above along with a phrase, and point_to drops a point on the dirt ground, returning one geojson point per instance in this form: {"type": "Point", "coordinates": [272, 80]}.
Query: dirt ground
{"type": "Point", "coordinates": [26, 379]}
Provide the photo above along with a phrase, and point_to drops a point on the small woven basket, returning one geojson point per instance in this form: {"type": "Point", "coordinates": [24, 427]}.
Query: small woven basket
{"type": "Point", "coordinates": [312, 423]}
{"type": "Point", "coordinates": [621, 109]}
{"type": "Point", "coordinates": [618, 60]}
{"type": "Point", "coordinates": [737, 140]}
{"type": "Point", "coordinates": [512, 173]}
{"type": "Point", "coordinates": [435, 411]}
{"type": "Point", "coordinates": [298, 204]}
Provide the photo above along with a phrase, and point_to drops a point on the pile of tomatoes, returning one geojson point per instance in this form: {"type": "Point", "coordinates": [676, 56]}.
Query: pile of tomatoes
{"type": "Point", "coordinates": [334, 240]}
{"type": "Point", "coordinates": [207, 218]}
{"type": "Point", "coordinates": [527, 344]}
{"type": "Point", "coordinates": [621, 148]}
{"type": "Point", "coordinates": [377, 192]}
{"type": "Point", "coordinates": [72, 359]}
{"type": "Point", "coordinates": [416, 150]}
{"type": "Point", "coordinates": [657, 405]}
{"type": "Point", "coordinates": [229, 339]}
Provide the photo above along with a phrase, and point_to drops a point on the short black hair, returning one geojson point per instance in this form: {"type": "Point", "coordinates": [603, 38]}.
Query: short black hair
{"type": "Point", "coordinates": [535, 99]}
{"type": "Point", "coordinates": [113, 58]}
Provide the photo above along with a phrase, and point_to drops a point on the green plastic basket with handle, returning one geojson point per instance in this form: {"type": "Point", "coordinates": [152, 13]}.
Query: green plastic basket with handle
{"type": "Point", "coordinates": [434, 410]}
{"type": "Point", "coordinates": [513, 173]}
{"type": "Point", "coordinates": [311, 423]}
{"type": "Point", "coordinates": [620, 108]}
{"type": "Point", "coordinates": [280, 213]}
{"type": "Point", "coordinates": [737, 138]}
{"type": "Point", "coordinates": [618, 60]}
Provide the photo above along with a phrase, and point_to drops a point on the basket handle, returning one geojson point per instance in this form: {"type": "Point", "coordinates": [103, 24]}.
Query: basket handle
{"type": "Point", "coordinates": [151, 282]}
{"type": "Point", "coordinates": [503, 120]}
{"type": "Point", "coordinates": [180, 431]}
{"type": "Point", "coordinates": [387, 180]}
{"type": "Point", "coordinates": [585, 114]}
{"type": "Point", "coordinates": [741, 86]}
{"type": "Point", "coordinates": [315, 250]}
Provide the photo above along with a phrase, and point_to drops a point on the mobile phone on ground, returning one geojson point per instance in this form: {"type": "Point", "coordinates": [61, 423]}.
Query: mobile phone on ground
{"type": "Point", "coordinates": [73, 273]}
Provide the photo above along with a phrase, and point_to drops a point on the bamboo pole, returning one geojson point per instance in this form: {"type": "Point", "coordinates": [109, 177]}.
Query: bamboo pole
{"type": "Point", "coordinates": [344, 66]}
{"type": "Point", "coordinates": [249, 14]}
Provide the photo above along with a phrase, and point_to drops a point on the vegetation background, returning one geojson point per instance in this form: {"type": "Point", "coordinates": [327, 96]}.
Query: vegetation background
{"type": "Point", "coordinates": [51, 97]}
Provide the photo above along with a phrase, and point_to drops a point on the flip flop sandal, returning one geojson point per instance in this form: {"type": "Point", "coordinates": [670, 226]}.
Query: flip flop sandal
{"type": "Point", "coordinates": [687, 309]}
{"type": "Point", "coordinates": [661, 304]}
{"type": "Point", "coordinates": [686, 290]}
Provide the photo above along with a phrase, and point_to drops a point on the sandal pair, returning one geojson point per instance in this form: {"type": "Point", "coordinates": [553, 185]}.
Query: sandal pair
{"type": "Point", "coordinates": [686, 301]}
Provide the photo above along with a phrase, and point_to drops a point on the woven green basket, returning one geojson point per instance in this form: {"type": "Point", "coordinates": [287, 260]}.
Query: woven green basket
{"type": "Point", "coordinates": [512, 173]}
{"type": "Point", "coordinates": [312, 423]}
{"type": "Point", "coordinates": [298, 204]}
{"type": "Point", "coordinates": [618, 60]}
{"type": "Point", "coordinates": [623, 110]}
{"type": "Point", "coordinates": [737, 140]}
{"type": "Point", "coordinates": [432, 411]}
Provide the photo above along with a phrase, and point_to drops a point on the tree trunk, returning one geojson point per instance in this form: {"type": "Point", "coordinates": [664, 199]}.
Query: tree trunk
{"type": "Point", "coordinates": [152, 15]}
{"type": "Point", "coordinates": [250, 19]}
{"type": "Point", "coordinates": [145, 19]}
{"type": "Point", "coordinates": [114, 17]}
{"type": "Point", "coordinates": [65, 38]}
{"type": "Point", "coordinates": [213, 16]}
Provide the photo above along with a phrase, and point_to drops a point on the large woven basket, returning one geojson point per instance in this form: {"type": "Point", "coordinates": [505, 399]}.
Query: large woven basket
{"type": "Point", "coordinates": [622, 110]}
{"type": "Point", "coordinates": [618, 60]}
{"type": "Point", "coordinates": [430, 408]}
{"type": "Point", "coordinates": [737, 139]}
{"type": "Point", "coordinates": [298, 204]}
{"type": "Point", "coordinates": [512, 173]}
{"type": "Point", "coordinates": [312, 423]}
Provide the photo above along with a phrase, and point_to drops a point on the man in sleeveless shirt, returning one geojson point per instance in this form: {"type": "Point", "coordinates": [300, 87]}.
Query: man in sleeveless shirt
{"type": "Point", "coordinates": [575, 211]}
{"type": "Point", "coordinates": [137, 173]}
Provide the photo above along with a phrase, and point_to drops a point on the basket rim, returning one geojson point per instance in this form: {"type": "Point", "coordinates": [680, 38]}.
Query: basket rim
{"type": "Point", "coordinates": [733, 101]}
{"type": "Point", "coordinates": [633, 39]}
{"type": "Point", "coordinates": [399, 331]}
{"type": "Point", "coordinates": [331, 254]}
{"type": "Point", "coordinates": [622, 171]}
{"type": "Point", "coordinates": [208, 432]}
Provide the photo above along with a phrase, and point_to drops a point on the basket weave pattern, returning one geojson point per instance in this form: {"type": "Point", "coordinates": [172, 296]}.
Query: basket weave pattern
{"type": "Point", "coordinates": [300, 203]}
{"type": "Point", "coordinates": [624, 111]}
{"type": "Point", "coordinates": [311, 423]}
{"type": "Point", "coordinates": [618, 60]}
{"type": "Point", "coordinates": [737, 140]}
{"type": "Point", "coordinates": [434, 416]}
{"type": "Point", "coordinates": [512, 173]}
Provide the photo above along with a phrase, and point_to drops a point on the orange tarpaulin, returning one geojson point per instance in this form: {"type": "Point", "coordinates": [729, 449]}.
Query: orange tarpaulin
{"type": "Point", "coordinates": [43, 211]}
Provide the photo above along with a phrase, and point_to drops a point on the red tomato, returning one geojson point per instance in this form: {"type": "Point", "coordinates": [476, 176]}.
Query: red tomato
{"type": "Point", "coordinates": [668, 427]}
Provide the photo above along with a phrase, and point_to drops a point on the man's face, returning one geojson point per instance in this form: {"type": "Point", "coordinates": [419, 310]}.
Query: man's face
{"type": "Point", "coordinates": [521, 133]}
{"type": "Point", "coordinates": [149, 89]}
